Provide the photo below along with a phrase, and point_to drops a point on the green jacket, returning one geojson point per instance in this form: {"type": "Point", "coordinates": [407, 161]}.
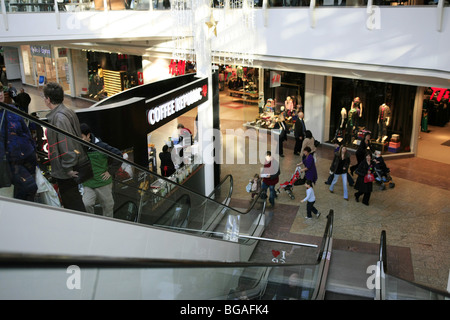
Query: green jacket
{"type": "Point", "coordinates": [101, 163]}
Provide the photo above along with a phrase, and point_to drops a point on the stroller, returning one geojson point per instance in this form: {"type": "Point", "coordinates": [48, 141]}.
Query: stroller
{"type": "Point", "coordinates": [296, 180]}
{"type": "Point", "coordinates": [382, 172]}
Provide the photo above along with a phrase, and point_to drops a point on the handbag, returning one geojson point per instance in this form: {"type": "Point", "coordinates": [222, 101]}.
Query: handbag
{"type": "Point", "coordinates": [316, 143]}
{"type": "Point", "coordinates": [84, 169]}
{"type": "Point", "coordinates": [369, 178]}
{"type": "Point", "coordinates": [5, 169]}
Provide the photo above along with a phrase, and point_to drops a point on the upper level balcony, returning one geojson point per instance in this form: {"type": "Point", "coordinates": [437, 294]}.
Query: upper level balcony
{"type": "Point", "coordinates": [324, 37]}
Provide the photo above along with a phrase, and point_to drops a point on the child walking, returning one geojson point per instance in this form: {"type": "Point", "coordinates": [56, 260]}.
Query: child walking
{"type": "Point", "coordinates": [310, 200]}
{"type": "Point", "coordinates": [256, 185]}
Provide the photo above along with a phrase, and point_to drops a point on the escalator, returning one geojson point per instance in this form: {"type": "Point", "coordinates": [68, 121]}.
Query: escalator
{"type": "Point", "coordinates": [176, 244]}
{"type": "Point", "coordinates": [147, 199]}
{"type": "Point", "coordinates": [101, 277]}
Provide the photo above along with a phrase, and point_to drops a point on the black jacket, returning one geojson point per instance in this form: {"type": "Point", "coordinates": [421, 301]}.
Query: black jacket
{"type": "Point", "coordinates": [167, 166]}
{"type": "Point", "coordinates": [299, 129]}
{"type": "Point", "coordinates": [284, 131]}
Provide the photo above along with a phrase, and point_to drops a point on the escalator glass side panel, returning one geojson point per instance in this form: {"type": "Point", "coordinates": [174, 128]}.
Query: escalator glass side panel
{"type": "Point", "coordinates": [399, 289]}
{"type": "Point", "coordinates": [133, 193]}
{"type": "Point", "coordinates": [111, 280]}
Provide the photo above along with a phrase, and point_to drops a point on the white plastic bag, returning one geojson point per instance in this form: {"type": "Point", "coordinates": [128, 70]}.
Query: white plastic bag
{"type": "Point", "coordinates": [248, 188]}
{"type": "Point", "coordinates": [47, 194]}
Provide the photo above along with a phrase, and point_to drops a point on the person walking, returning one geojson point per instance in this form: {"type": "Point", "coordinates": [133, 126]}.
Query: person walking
{"type": "Point", "coordinates": [270, 175]}
{"type": "Point", "coordinates": [23, 100]}
{"type": "Point", "coordinates": [310, 200]}
{"type": "Point", "coordinates": [360, 153]}
{"type": "Point", "coordinates": [309, 142]}
{"type": "Point", "coordinates": [350, 180]}
{"type": "Point", "coordinates": [299, 133]}
{"type": "Point", "coordinates": [363, 185]}
{"type": "Point", "coordinates": [339, 167]}
{"type": "Point", "coordinates": [19, 148]}
{"type": "Point", "coordinates": [104, 167]}
{"type": "Point", "coordinates": [309, 164]}
{"type": "Point", "coordinates": [167, 166]}
{"type": "Point", "coordinates": [64, 153]}
{"type": "Point", "coordinates": [284, 130]}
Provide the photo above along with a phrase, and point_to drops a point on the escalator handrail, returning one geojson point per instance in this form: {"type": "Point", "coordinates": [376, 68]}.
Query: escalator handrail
{"type": "Point", "coordinates": [323, 259]}
{"type": "Point", "coordinates": [328, 233]}
{"type": "Point", "coordinates": [229, 176]}
{"type": "Point", "coordinates": [27, 260]}
{"type": "Point", "coordinates": [15, 110]}
{"type": "Point", "coordinates": [382, 251]}
{"type": "Point", "coordinates": [383, 261]}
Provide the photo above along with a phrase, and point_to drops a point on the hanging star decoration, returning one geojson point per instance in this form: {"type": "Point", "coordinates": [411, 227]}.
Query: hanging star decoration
{"type": "Point", "coordinates": [212, 24]}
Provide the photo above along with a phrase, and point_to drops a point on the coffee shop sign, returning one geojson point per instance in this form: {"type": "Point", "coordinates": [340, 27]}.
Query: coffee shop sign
{"type": "Point", "coordinates": [441, 93]}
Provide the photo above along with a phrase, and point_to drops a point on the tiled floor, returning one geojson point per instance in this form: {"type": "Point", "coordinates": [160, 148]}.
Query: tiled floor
{"type": "Point", "coordinates": [415, 214]}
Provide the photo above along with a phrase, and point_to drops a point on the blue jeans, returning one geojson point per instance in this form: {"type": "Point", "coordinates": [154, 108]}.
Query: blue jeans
{"type": "Point", "coordinates": [272, 192]}
{"type": "Point", "coordinates": [344, 182]}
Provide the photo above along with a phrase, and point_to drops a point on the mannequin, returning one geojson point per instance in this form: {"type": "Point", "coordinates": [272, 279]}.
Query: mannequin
{"type": "Point", "coordinates": [352, 123]}
{"type": "Point", "coordinates": [343, 121]}
{"type": "Point", "coordinates": [357, 104]}
{"type": "Point", "coordinates": [269, 105]}
{"type": "Point", "coordinates": [384, 117]}
{"type": "Point", "coordinates": [289, 104]}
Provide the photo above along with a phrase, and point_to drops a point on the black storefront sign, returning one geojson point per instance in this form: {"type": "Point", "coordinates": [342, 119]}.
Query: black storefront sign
{"type": "Point", "coordinates": [170, 106]}
{"type": "Point", "coordinates": [123, 119]}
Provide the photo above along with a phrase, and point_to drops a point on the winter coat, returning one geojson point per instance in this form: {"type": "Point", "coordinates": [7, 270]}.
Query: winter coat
{"type": "Point", "coordinates": [64, 153]}
{"type": "Point", "coordinates": [19, 143]}
{"type": "Point", "coordinates": [101, 163]}
{"type": "Point", "coordinates": [272, 168]}
{"type": "Point", "coordinates": [361, 171]}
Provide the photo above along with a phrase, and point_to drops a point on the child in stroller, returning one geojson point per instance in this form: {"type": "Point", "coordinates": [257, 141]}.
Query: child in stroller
{"type": "Point", "coordinates": [296, 180]}
{"type": "Point", "coordinates": [382, 172]}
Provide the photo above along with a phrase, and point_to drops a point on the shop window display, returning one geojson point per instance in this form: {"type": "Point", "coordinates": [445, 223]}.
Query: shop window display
{"type": "Point", "coordinates": [284, 99]}
{"type": "Point", "coordinates": [435, 110]}
{"type": "Point", "coordinates": [109, 74]}
{"type": "Point", "coordinates": [387, 114]}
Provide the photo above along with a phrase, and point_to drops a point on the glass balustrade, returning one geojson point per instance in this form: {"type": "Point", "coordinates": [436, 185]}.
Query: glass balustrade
{"type": "Point", "coordinates": [126, 278]}
{"type": "Point", "coordinates": [138, 195]}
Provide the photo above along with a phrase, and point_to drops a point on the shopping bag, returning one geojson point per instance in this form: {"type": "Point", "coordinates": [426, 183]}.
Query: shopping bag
{"type": "Point", "coordinates": [369, 178]}
{"type": "Point", "coordinates": [46, 193]}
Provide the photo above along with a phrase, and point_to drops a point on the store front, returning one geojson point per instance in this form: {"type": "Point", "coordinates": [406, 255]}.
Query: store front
{"type": "Point", "coordinates": [45, 63]}
{"type": "Point", "coordinates": [283, 94]}
{"type": "Point", "coordinates": [111, 73]}
{"type": "Point", "coordinates": [141, 120]}
{"type": "Point", "coordinates": [385, 110]}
